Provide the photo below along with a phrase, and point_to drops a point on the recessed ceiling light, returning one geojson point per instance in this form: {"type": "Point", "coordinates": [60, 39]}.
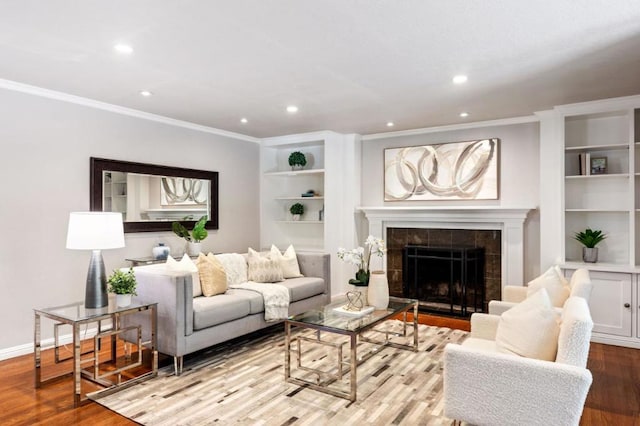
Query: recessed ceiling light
{"type": "Point", "coordinates": [292, 109]}
{"type": "Point", "coordinates": [244, 120]}
{"type": "Point", "coordinates": [123, 48]}
{"type": "Point", "coordinates": [459, 79]}
{"type": "Point", "coordinates": [464, 114]}
{"type": "Point", "coordinates": [390, 124]}
{"type": "Point", "coordinates": [146, 93]}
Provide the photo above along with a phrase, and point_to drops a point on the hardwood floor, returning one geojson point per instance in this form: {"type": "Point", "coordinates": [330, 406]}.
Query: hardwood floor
{"type": "Point", "coordinates": [614, 398]}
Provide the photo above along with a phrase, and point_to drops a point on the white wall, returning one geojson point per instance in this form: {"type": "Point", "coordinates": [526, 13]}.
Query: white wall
{"type": "Point", "coordinates": [518, 181]}
{"type": "Point", "coordinates": [44, 174]}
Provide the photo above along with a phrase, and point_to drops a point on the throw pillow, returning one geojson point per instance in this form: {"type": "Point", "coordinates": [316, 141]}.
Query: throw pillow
{"type": "Point", "coordinates": [235, 267]}
{"type": "Point", "coordinates": [262, 269]}
{"type": "Point", "coordinates": [288, 261]}
{"type": "Point", "coordinates": [213, 279]}
{"type": "Point", "coordinates": [530, 329]}
{"type": "Point", "coordinates": [555, 283]}
{"type": "Point", "coordinates": [186, 265]}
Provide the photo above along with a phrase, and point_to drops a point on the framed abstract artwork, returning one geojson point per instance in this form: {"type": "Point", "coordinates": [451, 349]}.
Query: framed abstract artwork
{"type": "Point", "coordinates": [447, 171]}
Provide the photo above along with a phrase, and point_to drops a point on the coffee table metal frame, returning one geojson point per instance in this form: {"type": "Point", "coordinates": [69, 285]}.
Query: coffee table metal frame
{"type": "Point", "coordinates": [351, 327]}
{"type": "Point", "coordinates": [76, 315]}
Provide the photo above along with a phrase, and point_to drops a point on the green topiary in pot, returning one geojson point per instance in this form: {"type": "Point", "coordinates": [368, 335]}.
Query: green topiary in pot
{"type": "Point", "coordinates": [122, 282]}
{"type": "Point", "coordinates": [296, 210]}
{"type": "Point", "coordinates": [297, 158]}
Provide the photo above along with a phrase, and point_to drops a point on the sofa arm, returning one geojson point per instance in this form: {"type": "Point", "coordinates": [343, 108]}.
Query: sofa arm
{"type": "Point", "coordinates": [173, 292]}
{"type": "Point", "coordinates": [316, 265]}
{"type": "Point", "coordinates": [514, 294]}
{"type": "Point", "coordinates": [484, 326]}
{"type": "Point", "coordinates": [491, 388]}
{"type": "Point", "coordinates": [498, 307]}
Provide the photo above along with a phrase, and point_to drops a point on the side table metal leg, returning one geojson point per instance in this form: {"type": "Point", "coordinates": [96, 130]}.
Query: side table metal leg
{"type": "Point", "coordinates": [36, 350]}
{"type": "Point", "coordinates": [287, 350]}
{"type": "Point", "coordinates": [354, 366]}
{"type": "Point", "coordinates": [415, 327]}
{"type": "Point", "coordinates": [77, 386]}
{"type": "Point", "coordinates": [154, 339]}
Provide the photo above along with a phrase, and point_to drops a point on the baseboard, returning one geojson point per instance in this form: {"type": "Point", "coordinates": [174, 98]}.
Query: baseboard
{"type": "Point", "coordinates": [27, 348]}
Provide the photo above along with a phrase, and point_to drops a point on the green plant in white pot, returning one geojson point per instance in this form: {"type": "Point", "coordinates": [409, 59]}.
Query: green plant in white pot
{"type": "Point", "coordinates": [590, 239]}
{"type": "Point", "coordinates": [296, 210]}
{"type": "Point", "coordinates": [123, 284]}
{"type": "Point", "coordinates": [297, 160]}
{"type": "Point", "coordinates": [193, 238]}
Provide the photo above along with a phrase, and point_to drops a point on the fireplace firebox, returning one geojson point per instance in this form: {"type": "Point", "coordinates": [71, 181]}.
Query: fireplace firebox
{"type": "Point", "coordinates": [446, 280]}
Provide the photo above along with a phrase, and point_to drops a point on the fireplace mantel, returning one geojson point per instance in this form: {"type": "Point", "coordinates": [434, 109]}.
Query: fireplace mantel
{"type": "Point", "coordinates": [509, 220]}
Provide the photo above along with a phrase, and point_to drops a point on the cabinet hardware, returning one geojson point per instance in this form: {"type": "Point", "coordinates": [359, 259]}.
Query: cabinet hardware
{"type": "Point", "coordinates": [627, 305]}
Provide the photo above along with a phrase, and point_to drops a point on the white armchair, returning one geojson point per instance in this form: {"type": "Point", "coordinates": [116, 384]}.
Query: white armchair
{"type": "Point", "coordinates": [485, 387]}
{"type": "Point", "coordinates": [580, 285]}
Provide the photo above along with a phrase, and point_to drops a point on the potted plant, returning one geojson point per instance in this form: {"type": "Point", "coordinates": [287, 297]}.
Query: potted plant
{"type": "Point", "coordinates": [297, 160]}
{"type": "Point", "coordinates": [296, 210]}
{"type": "Point", "coordinates": [194, 237]}
{"type": "Point", "coordinates": [590, 238]}
{"type": "Point", "coordinates": [123, 284]}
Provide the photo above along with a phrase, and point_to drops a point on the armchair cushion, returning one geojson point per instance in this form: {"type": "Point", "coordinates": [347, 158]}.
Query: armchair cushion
{"type": "Point", "coordinates": [556, 285]}
{"type": "Point", "coordinates": [530, 329]}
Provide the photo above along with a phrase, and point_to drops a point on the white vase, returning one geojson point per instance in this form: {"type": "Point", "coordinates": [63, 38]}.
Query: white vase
{"type": "Point", "coordinates": [378, 293]}
{"type": "Point", "coordinates": [194, 249]}
{"type": "Point", "coordinates": [296, 217]}
{"type": "Point", "coordinates": [123, 300]}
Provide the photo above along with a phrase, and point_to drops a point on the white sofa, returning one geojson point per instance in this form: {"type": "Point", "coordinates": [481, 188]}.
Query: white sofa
{"type": "Point", "coordinates": [580, 286]}
{"type": "Point", "coordinates": [485, 387]}
{"type": "Point", "coordinates": [187, 324]}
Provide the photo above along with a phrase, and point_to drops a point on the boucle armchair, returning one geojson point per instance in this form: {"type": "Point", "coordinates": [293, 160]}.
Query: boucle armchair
{"type": "Point", "coordinates": [579, 285]}
{"type": "Point", "coordinates": [485, 387]}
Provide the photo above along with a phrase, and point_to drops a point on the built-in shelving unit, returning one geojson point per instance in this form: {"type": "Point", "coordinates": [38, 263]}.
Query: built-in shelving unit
{"type": "Point", "coordinates": [114, 193]}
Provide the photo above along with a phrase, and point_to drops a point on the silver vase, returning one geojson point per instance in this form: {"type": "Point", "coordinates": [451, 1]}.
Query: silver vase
{"type": "Point", "coordinates": [589, 255]}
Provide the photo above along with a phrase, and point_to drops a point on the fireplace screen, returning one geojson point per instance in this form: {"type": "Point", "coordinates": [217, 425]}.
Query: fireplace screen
{"type": "Point", "coordinates": [445, 280]}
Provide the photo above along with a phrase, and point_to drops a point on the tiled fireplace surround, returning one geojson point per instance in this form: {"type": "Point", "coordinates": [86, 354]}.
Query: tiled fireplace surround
{"type": "Point", "coordinates": [447, 227]}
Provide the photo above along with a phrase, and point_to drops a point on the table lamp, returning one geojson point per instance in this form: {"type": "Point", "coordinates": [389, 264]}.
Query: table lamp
{"type": "Point", "coordinates": [95, 231]}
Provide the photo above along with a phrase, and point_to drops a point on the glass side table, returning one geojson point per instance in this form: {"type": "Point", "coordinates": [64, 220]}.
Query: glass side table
{"type": "Point", "coordinates": [76, 315]}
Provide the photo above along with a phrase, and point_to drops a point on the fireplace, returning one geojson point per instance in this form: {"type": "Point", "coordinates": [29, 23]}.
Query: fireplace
{"type": "Point", "coordinates": [446, 280]}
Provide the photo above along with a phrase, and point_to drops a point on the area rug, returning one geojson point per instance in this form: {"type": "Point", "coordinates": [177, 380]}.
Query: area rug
{"type": "Point", "coordinates": [242, 383]}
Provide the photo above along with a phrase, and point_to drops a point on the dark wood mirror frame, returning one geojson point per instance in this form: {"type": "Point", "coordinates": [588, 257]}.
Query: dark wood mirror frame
{"type": "Point", "coordinates": [100, 165]}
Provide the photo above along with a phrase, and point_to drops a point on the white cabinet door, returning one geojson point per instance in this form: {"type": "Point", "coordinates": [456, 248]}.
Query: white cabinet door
{"type": "Point", "coordinates": [610, 303]}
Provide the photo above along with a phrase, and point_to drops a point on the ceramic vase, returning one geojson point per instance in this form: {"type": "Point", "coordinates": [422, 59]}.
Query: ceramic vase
{"type": "Point", "coordinates": [296, 217]}
{"type": "Point", "coordinates": [194, 249]}
{"type": "Point", "coordinates": [160, 252]}
{"type": "Point", "coordinates": [123, 300]}
{"type": "Point", "coordinates": [378, 293]}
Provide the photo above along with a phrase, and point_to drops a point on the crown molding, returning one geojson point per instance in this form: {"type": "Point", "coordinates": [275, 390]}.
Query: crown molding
{"type": "Point", "coordinates": [91, 103]}
{"type": "Point", "coordinates": [447, 128]}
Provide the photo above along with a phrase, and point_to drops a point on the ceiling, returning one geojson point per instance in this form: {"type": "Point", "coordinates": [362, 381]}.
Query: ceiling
{"type": "Point", "coordinates": [349, 65]}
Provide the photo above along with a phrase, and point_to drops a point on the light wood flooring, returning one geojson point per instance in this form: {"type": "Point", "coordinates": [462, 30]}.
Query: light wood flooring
{"type": "Point", "coordinates": [614, 398]}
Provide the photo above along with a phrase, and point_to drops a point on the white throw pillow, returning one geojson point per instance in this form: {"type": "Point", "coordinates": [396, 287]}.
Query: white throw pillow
{"type": "Point", "coordinates": [530, 329]}
{"type": "Point", "coordinates": [235, 267]}
{"type": "Point", "coordinates": [186, 265]}
{"type": "Point", "coordinates": [263, 269]}
{"type": "Point", "coordinates": [288, 261]}
{"type": "Point", "coordinates": [555, 283]}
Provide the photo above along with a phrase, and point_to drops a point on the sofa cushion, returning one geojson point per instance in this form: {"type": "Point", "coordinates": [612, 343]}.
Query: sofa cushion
{"type": "Point", "coordinates": [530, 329]}
{"type": "Point", "coordinates": [185, 265]}
{"type": "Point", "coordinates": [556, 284]}
{"type": "Point", "coordinates": [256, 302]}
{"type": "Point", "coordinates": [262, 269]}
{"type": "Point", "coordinates": [213, 279]}
{"type": "Point", "coordinates": [235, 267]}
{"type": "Point", "coordinates": [303, 287]}
{"type": "Point", "coordinates": [288, 261]}
{"type": "Point", "coordinates": [210, 311]}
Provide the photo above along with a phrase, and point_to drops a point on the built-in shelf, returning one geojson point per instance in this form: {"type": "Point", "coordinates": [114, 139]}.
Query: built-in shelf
{"type": "Point", "coordinates": [296, 172]}
{"type": "Point", "coordinates": [298, 198]}
{"type": "Point", "coordinates": [301, 222]}
{"type": "Point", "coordinates": [592, 148]}
{"type": "Point", "coordinates": [596, 210]}
{"type": "Point", "coordinates": [602, 176]}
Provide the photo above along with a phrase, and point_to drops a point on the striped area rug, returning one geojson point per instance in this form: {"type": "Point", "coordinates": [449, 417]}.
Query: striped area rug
{"type": "Point", "coordinates": [242, 383]}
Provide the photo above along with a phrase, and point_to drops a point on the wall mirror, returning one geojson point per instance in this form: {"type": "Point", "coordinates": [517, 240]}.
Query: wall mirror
{"type": "Point", "coordinates": [151, 197]}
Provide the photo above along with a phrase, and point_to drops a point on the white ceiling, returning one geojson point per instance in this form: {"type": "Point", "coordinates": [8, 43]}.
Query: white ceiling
{"type": "Point", "coordinates": [349, 65]}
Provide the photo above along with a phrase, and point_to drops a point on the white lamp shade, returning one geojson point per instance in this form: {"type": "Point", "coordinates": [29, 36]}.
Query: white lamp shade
{"type": "Point", "coordinates": [95, 231]}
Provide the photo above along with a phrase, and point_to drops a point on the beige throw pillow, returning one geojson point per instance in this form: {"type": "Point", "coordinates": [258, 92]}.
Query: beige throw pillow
{"type": "Point", "coordinates": [213, 279]}
{"type": "Point", "coordinates": [186, 265]}
{"type": "Point", "coordinates": [235, 266]}
{"type": "Point", "coordinates": [555, 283]}
{"type": "Point", "coordinates": [530, 329]}
{"type": "Point", "coordinates": [288, 261]}
{"type": "Point", "coordinates": [262, 269]}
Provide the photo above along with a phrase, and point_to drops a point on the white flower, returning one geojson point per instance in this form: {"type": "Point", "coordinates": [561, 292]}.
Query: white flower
{"type": "Point", "coordinates": [361, 257]}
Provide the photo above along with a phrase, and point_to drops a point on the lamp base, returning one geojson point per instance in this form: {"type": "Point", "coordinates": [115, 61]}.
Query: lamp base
{"type": "Point", "coordinates": [95, 295]}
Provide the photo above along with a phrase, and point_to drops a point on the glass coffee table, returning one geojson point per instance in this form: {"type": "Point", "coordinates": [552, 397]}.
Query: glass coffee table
{"type": "Point", "coordinates": [326, 319]}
